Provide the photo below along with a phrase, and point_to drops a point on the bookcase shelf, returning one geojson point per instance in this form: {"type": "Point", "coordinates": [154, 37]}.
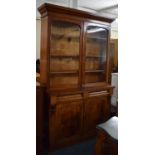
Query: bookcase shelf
{"type": "Point", "coordinates": [63, 72]}
{"type": "Point", "coordinates": [96, 38]}
{"type": "Point", "coordinates": [94, 71]}
{"type": "Point", "coordinates": [64, 56]}
{"type": "Point", "coordinates": [66, 36]}
{"type": "Point", "coordinates": [94, 56]}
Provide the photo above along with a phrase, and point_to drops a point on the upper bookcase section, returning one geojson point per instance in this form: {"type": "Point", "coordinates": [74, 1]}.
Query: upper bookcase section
{"type": "Point", "coordinates": [45, 9]}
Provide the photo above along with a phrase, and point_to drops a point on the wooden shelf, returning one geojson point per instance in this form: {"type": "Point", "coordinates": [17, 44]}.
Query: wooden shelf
{"type": "Point", "coordinates": [98, 38]}
{"type": "Point", "coordinates": [94, 71]}
{"type": "Point", "coordinates": [97, 84]}
{"type": "Point", "coordinates": [94, 56]}
{"type": "Point", "coordinates": [64, 72]}
{"type": "Point", "coordinates": [66, 36]}
{"type": "Point", "coordinates": [65, 56]}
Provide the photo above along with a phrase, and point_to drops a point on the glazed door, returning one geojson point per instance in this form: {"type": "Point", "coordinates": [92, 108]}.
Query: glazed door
{"type": "Point", "coordinates": [95, 55]}
{"type": "Point", "coordinates": [65, 54]}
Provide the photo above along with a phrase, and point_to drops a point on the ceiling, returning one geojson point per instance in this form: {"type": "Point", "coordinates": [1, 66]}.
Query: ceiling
{"type": "Point", "coordinates": [106, 8]}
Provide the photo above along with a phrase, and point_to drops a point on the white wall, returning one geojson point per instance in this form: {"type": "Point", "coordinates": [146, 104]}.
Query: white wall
{"type": "Point", "coordinates": [114, 30]}
{"type": "Point", "coordinates": [38, 34]}
{"type": "Point", "coordinates": [114, 34]}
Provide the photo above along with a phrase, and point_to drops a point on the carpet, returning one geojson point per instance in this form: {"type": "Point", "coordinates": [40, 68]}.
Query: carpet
{"type": "Point", "coordinates": [84, 148]}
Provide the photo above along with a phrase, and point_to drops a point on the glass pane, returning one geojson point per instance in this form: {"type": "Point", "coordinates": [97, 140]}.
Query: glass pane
{"type": "Point", "coordinates": [64, 51]}
{"type": "Point", "coordinates": [96, 48]}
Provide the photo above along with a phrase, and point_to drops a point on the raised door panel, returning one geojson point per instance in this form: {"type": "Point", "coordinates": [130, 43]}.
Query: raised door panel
{"type": "Point", "coordinates": [68, 122]}
{"type": "Point", "coordinates": [94, 113]}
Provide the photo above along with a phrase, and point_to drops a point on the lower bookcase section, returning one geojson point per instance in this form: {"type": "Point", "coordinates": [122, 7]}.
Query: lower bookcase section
{"type": "Point", "coordinates": [73, 118]}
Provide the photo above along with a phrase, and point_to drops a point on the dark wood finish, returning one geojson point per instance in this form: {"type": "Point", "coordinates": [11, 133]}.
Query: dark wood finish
{"type": "Point", "coordinates": [111, 60]}
{"type": "Point", "coordinates": [107, 140]}
{"type": "Point", "coordinates": [40, 120]}
{"type": "Point", "coordinates": [75, 71]}
{"type": "Point", "coordinates": [105, 145]}
{"type": "Point", "coordinates": [114, 51]}
{"type": "Point", "coordinates": [46, 8]}
{"type": "Point", "coordinates": [66, 120]}
{"type": "Point", "coordinates": [69, 121]}
{"type": "Point", "coordinates": [94, 107]}
{"type": "Point", "coordinates": [100, 143]}
{"type": "Point", "coordinates": [44, 61]}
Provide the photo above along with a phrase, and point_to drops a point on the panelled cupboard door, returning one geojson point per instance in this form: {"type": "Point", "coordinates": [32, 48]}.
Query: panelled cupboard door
{"type": "Point", "coordinates": [94, 114]}
{"type": "Point", "coordinates": [68, 121]}
{"type": "Point", "coordinates": [65, 50]}
{"type": "Point", "coordinates": [95, 53]}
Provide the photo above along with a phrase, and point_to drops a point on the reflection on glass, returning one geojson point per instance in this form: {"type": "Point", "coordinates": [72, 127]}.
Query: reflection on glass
{"type": "Point", "coordinates": [96, 47]}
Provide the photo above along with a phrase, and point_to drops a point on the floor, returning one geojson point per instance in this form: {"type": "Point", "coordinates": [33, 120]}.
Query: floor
{"type": "Point", "coordinates": [85, 148]}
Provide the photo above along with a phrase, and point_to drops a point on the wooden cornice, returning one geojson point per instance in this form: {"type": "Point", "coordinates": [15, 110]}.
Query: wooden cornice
{"type": "Point", "coordinates": [47, 8]}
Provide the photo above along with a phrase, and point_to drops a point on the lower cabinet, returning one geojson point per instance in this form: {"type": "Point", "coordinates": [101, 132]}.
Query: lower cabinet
{"type": "Point", "coordinates": [69, 121]}
{"type": "Point", "coordinates": [66, 121]}
{"type": "Point", "coordinates": [94, 112]}
{"type": "Point", "coordinates": [74, 118]}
